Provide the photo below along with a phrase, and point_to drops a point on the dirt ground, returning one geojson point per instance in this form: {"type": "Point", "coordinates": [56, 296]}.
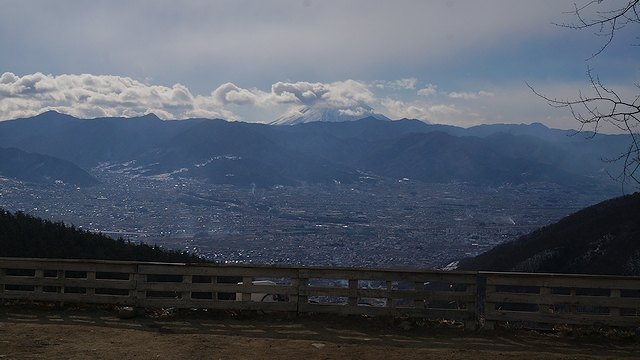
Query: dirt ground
{"type": "Point", "coordinates": [74, 332]}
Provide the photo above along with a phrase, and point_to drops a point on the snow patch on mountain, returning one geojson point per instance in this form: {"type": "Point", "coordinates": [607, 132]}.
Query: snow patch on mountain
{"type": "Point", "coordinates": [308, 114]}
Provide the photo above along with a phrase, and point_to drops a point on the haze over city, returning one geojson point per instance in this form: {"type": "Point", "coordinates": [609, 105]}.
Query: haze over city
{"type": "Point", "coordinates": [467, 86]}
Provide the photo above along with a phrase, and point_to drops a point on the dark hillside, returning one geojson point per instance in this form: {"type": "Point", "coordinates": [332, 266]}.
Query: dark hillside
{"type": "Point", "coordinates": [437, 157]}
{"type": "Point", "coordinates": [87, 143]}
{"type": "Point", "coordinates": [600, 239]}
{"type": "Point", "coordinates": [23, 235]}
{"type": "Point", "coordinates": [44, 169]}
{"type": "Point", "coordinates": [233, 153]}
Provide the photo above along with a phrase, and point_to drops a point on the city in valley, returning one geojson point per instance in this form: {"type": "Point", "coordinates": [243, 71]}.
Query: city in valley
{"type": "Point", "coordinates": [377, 222]}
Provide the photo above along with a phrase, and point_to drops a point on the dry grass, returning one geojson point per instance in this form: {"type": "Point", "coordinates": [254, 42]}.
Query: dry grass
{"type": "Point", "coordinates": [34, 331]}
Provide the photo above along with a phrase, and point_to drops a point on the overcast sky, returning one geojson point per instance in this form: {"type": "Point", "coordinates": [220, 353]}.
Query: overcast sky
{"type": "Point", "coordinates": [453, 62]}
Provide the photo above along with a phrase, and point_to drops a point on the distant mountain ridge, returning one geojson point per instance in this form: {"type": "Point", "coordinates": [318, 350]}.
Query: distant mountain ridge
{"type": "Point", "coordinates": [452, 158]}
{"type": "Point", "coordinates": [601, 239]}
{"type": "Point", "coordinates": [37, 168]}
{"type": "Point", "coordinates": [229, 152]}
{"type": "Point", "coordinates": [249, 154]}
{"type": "Point", "coordinates": [88, 142]}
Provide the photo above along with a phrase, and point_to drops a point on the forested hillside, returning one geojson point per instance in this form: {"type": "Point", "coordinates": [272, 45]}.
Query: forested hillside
{"type": "Point", "coordinates": [601, 239]}
{"type": "Point", "coordinates": [23, 235]}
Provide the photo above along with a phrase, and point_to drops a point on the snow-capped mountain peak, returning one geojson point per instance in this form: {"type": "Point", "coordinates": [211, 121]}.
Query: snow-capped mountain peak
{"type": "Point", "coordinates": [308, 114]}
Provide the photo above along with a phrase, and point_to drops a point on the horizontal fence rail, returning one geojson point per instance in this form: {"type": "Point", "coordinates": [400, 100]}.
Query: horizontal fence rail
{"type": "Point", "coordinates": [429, 294]}
{"type": "Point", "coordinates": [434, 294]}
{"type": "Point", "coordinates": [451, 295]}
{"type": "Point", "coordinates": [562, 299]}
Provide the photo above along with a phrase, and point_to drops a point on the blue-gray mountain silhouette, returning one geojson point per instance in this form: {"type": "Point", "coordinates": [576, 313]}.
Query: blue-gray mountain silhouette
{"type": "Point", "coordinates": [37, 168]}
{"type": "Point", "coordinates": [321, 152]}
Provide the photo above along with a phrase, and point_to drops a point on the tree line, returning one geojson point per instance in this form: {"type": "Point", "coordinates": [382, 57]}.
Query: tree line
{"type": "Point", "coordinates": [24, 235]}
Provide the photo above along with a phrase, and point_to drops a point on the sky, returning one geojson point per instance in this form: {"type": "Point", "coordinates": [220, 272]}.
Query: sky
{"type": "Point", "coordinates": [457, 62]}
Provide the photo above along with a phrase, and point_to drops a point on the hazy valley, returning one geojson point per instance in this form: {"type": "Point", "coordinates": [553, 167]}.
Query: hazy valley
{"type": "Point", "coordinates": [368, 193]}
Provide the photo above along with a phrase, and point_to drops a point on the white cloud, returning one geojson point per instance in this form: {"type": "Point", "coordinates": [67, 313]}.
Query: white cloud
{"type": "Point", "coordinates": [300, 92]}
{"type": "Point", "coordinates": [90, 96]}
{"type": "Point", "coordinates": [400, 84]}
{"type": "Point", "coordinates": [231, 94]}
{"type": "Point", "coordinates": [358, 111]}
{"type": "Point", "coordinates": [468, 96]}
{"type": "Point", "coordinates": [462, 95]}
{"type": "Point", "coordinates": [446, 110]}
{"type": "Point", "coordinates": [433, 113]}
{"type": "Point", "coordinates": [398, 109]}
{"type": "Point", "coordinates": [348, 94]}
{"type": "Point", "coordinates": [341, 94]}
{"type": "Point", "coordinates": [408, 83]}
{"type": "Point", "coordinates": [427, 91]}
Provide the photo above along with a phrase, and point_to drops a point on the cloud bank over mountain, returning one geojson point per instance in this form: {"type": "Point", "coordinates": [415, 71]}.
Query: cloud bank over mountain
{"type": "Point", "coordinates": [92, 96]}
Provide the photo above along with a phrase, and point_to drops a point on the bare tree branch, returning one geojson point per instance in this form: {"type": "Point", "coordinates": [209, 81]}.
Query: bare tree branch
{"type": "Point", "coordinates": [606, 105]}
{"type": "Point", "coordinates": [607, 22]}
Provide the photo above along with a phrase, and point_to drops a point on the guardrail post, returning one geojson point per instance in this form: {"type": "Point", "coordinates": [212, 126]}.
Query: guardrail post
{"type": "Point", "coordinates": [353, 289]}
{"type": "Point", "coordinates": [2, 274]}
{"type": "Point", "coordinates": [574, 328]}
{"type": "Point", "coordinates": [186, 295]}
{"type": "Point", "coordinates": [294, 296]}
{"type": "Point", "coordinates": [418, 286]}
{"type": "Point", "coordinates": [470, 324]}
{"type": "Point", "coordinates": [91, 277]}
{"type": "Point", "coordinates": [614, 311]}
{"type": "Point", "coordinates": [247, 281]}
{"type": "Point", "coordinates": [39, 274]}
{"type": "Point", "coordinates": [390, 304]}
{"type": "Point", "coordinates": [214, 294]}
{"type": "Point", "coordinates": [61, 289]}
{"type": "Point", "coordinates": [544, 291]}
{"type": "Point", "coordinates": [300, 285]}
{"type": "Point", "coordinates": [140, 292]}
{"type": "Point", "coordinates": [489, 307]}
{"type": "Point", "coordinates": [60, 274]}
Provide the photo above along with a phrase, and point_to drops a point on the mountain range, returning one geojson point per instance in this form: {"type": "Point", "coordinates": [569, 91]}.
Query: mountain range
{"type": "Point", "coordinates": [249, 154]}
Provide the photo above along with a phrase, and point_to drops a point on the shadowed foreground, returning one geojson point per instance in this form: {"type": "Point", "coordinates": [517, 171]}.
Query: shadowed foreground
{"type": "Point", "coordinates": [38, 332]}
